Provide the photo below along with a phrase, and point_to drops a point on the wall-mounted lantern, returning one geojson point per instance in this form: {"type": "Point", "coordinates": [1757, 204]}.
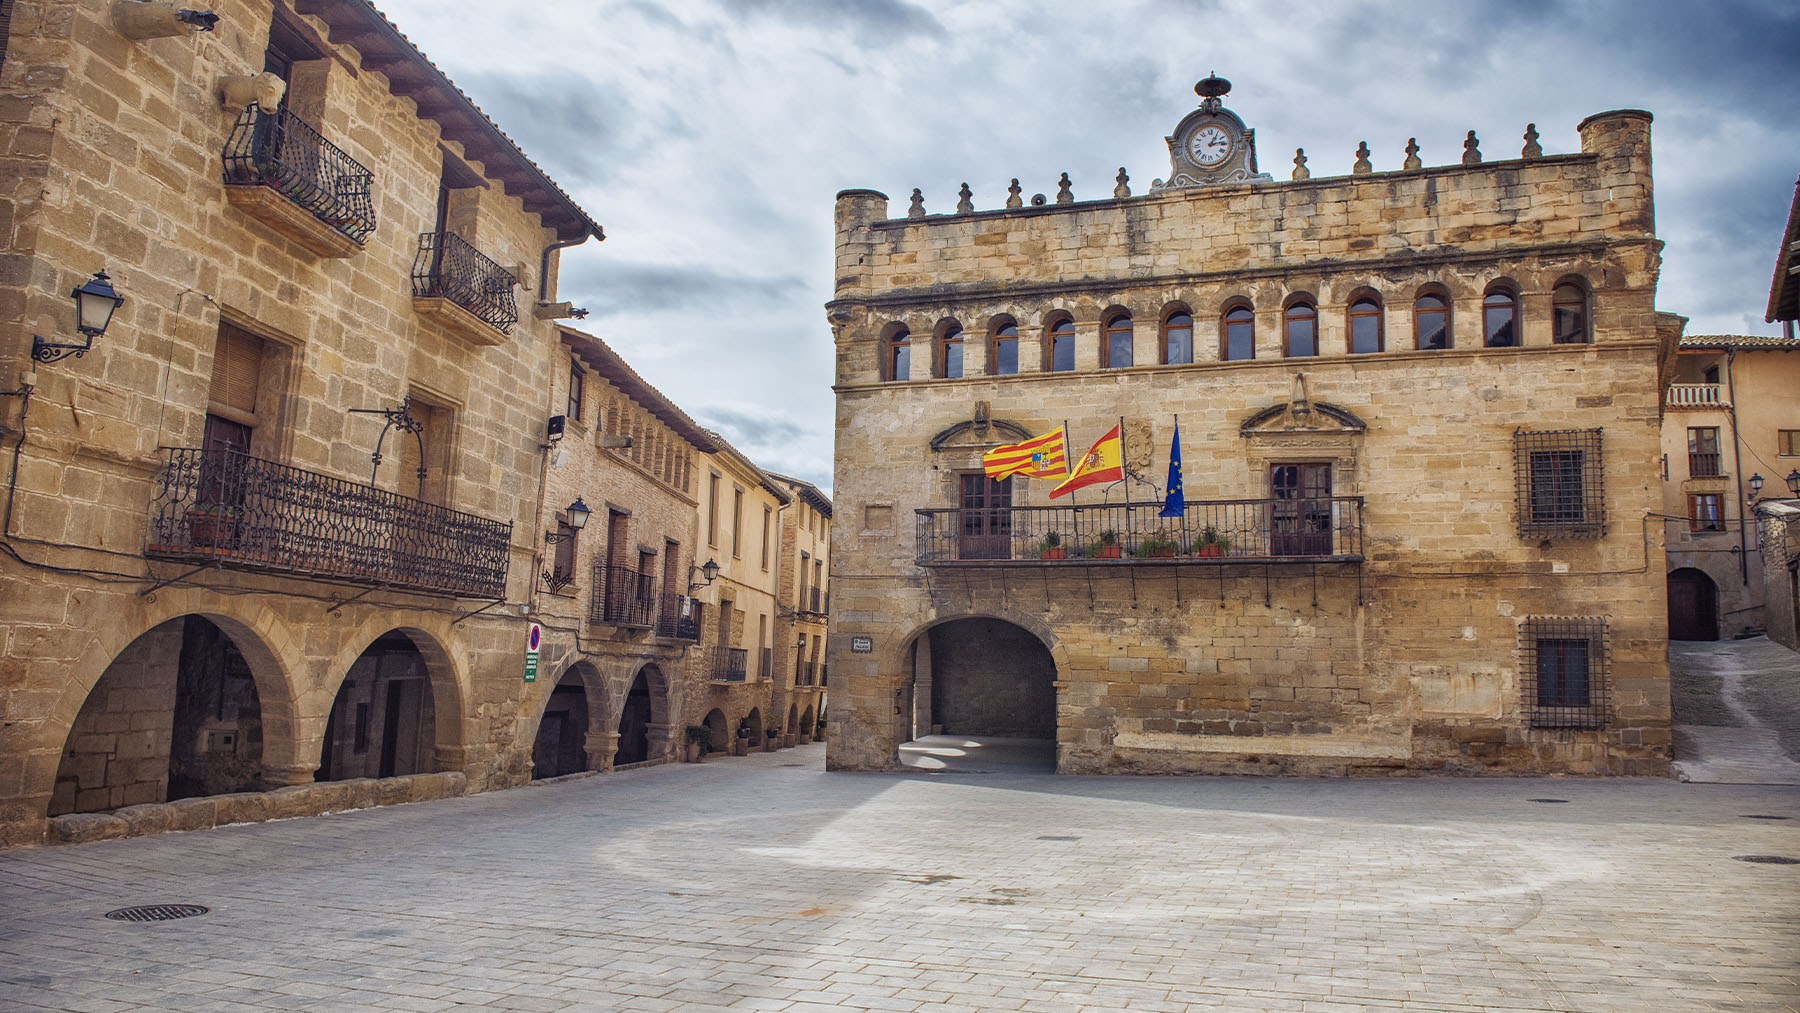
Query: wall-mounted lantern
{"type": "Point", "coordinates": [710, 571]}
{"type": "Point", "coordinates": [575, 515]}
{"type": "Point", "coordinates": [95, 303]}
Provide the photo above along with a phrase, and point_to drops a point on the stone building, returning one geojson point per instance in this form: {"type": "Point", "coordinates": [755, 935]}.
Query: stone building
{"type": "Point", "coordinates": [619, 627]}
{"type": "Point", "coordinates": [1780, 521]}
{"type": "Point", "coordinates": [1419, 416]}
{"type": "Point", "coordinates": [1731, 433]}
{"type": "Point", "coordinates": [804, 608]}
{"type": "Point", "coordinates": [276, 525]}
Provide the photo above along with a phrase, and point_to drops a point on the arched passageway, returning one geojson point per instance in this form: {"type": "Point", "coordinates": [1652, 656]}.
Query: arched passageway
{"type": "Point", "coordinates": [752, 726]}
{"type": "Point", "coordinates": [634, 721]}
{"type": "Point", "coordinates": [984, 677]}
{"type": "Point", "coordinates": [384, 720]}
{"type": "Point", "coordinates": [1693, 605]}
{"type": "Point", "coordinates": [791, 730]}
{"type": "Point", "coordinates": [561, 744]}
{"type": "Point", "coordinates": [175, 715]}
{"type": "Point", "coordinates": [718, 730]}
{"type": "Point", "coordinates": [806, 724]}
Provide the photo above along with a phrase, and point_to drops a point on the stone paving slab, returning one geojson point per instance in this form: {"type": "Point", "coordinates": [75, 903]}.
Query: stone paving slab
{"type": "Point", "coordinates": [1737, 711]}
{"type": "Point", "coordinates": [753, 884]}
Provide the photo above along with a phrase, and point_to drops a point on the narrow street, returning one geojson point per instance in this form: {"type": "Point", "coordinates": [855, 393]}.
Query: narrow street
{"type": "Point", "coordinates": [1737, 711]}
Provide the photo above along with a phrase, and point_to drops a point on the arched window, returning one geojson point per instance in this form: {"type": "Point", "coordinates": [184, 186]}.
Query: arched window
{"type": "Point", "coordinates": [1178, 339]}
{"type": "Point", "coordinates": [950, 348]}
{"type": "Point", "coordinates": [1431, 321]}
{"type": "Point", "coordinates": [1569, 315]}
{"type": "Point", "coordinates": [1366, 327]}
{"type": "Point", "coordinates": [1060, 349]}
{"type": "Point", "coordinates": [1238, 334]}
{"type": "Point", "coordinates": [1003, 360]}
{"type": "Point", "coordinates": [899, 355]}
{"type": "Point", "coordinates": [1116, 340]}
{"type": "Point", "coordinates": [1500, 318]}
{"type": "Point", "coordinates": [1300, 330]}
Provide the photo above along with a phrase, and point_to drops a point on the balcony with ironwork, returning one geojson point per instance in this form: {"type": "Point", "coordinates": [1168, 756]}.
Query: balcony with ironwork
{"type": "Point", "coordinates": [1704, 465]}
{"type": "Point", "coordinates": [765, 664]}
{"type": "Point", "coordinates": [227, 508]}
{"type": "Point", "coordinates": [1696, 397]}
{"type": "Point", "coordinates": [282, 172]}
{"type": "Point", "coordinates": [622, 597]}
{"type": "Point", "coordinates": [459, 287]}
{"type": "Point", "coordinates": [815, 603]}
{"type": "Point", "coordinates": [1213, 532]}
{"type": "Point", "coordinates": [730, 664]}
{"type": "Point", "coordinates": [678, 618]}
{"type": "Point", "coordinates": [806, 673]}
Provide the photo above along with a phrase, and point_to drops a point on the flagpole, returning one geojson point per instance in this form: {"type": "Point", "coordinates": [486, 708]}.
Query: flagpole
{"type": "Point", "coordinates": [1074, 515]}
{"type": "Point", "coordinates": [1181, 546]}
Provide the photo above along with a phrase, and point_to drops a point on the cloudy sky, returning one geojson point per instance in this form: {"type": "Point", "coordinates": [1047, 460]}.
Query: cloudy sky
{"type": "Point", "coordinates": [710, 136]}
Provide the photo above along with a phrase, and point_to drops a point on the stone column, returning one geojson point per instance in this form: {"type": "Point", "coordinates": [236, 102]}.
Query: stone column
{"type": "Point", "coordinates": [282, 775]}
{"type": "Point", "coordinates": [1031, 348]}
{"type": "Point", "coordinates": [601, 747]}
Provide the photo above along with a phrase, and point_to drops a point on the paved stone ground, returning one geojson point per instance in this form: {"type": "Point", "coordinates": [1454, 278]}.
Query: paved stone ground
{"type": "Point", "coordinates": [1737, 711]}
{"type": "Point", "coordinates": [765, 883]}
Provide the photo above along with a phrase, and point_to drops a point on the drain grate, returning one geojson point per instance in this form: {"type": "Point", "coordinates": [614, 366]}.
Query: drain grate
{"type": "Point", "coordinates": [1759, 816]}
{"type": "Point", "coordinates": [1547, 801]}
{"type": "Point", "coordinates": [156, 912]}
{"type": "Point", "coordinates": [1768, 859]}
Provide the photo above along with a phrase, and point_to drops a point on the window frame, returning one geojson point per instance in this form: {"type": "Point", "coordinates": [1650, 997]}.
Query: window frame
{"type": "Point", "coordinates": [1296, 311]}
{"type": "Point", "coordinates": [1169, 327]}
{"type": "Point", "coordinates": [1711, 519]}
{"type": "Point", "coordinates": [1509, 301]}
{"type": "Point", "coordinates": [1444, 307]}
{"type": "Point", "coordinates": [893, 347]}
{"type": "Point", "coordinates": [1787, 443]}
{"type": "Point", "coordinates": [1061, 327]}
{"type": "Point", "coordinates": [1377, 314]}
{"type": "Point", "coordinates": [1704, 463]}
{"type": "Point", "coordinates": [1003, 332]}
{"type": "Point", "coordinates": [1117, 324]}
{"type": "Point", "coordinates": [952, 336]}
{"type": "Point", "coordinates": [1227, 320]}
{"type": "Point", "coordinates": [1560, 458]}
{"type": "Point", "coordinates": [1546, 652]}
{"type": "Point", "coordinates": [577, 389]}
{"type": "Point", "coordinates": [1585, 319]}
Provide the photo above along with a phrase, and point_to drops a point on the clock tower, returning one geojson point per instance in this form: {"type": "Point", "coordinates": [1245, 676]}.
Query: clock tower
{"type": "Point", "coordinates": [1211, 145]}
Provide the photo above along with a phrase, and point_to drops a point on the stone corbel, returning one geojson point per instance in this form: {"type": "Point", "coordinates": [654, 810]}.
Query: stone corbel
{"type": "Point", "coordinates": [558, 311]}
{"type": "Point", "coordinates": [264, 90]}
{"type": "Point", "coordinates": [154, 19]}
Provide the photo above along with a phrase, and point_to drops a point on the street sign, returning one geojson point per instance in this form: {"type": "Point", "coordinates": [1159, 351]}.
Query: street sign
{"type": "Point", "coordinates": [534, 636]}
{"type": "Point", "coordinates": [862, 645]}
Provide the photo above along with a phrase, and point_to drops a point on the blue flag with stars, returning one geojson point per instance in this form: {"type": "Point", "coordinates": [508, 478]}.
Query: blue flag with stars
{"type": "Point", "coordinates": [1175, 504]}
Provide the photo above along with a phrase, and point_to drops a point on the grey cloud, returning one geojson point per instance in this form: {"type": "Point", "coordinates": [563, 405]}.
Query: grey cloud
{"type": "Point", "coordinates": [558, 125]}
{"type": "Point", "coordinates": [612, 288]}
{"type": "Point", "coordinates": [873, 23]}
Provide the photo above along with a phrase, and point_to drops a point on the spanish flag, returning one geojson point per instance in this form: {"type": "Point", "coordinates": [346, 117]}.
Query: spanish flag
{"type": "Point", "coordinates": [1104, 462]}
{"type": "Point", "coordinates": [1046, 456]}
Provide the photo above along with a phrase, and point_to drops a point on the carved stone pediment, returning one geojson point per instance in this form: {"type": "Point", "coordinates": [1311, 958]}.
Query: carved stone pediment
{"type": "Point", "coordinates": [1301, 415]}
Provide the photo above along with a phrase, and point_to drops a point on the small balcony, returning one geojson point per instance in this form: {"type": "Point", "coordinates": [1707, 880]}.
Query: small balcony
{"type": "Point", "coordinates": [459, 287]}
{"type": "Point", "coordinates": [816, 602]}
{"type": "Point", "coordinates": [1696, 397]}
{"type": "Point", "coordinates": [622, 597]}
{"type": "Point", "coordinates": [678, 618]}
{"type": "Point", "coordinates": [806, 673]}
{"type": "Point", "coordinates": [730, 664]}
{"type": "Point", "coordinates": [765, 664]}
{"type": "Point", "coordinates": [1214, 532]}
{"type": "Point", "coordinates": [229, 508]}
{"type": "Point", "coordinates": [279, 170]}
{"type": "Point", "coordinates": [1704, 466]}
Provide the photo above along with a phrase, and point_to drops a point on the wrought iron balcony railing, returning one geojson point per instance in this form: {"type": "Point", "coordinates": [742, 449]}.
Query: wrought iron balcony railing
{"type": "Point", "coordinates": [679, 618]}
{"type": "Point", "coordinates": [730, 664]}
{"type": "Point", "coordinates": [447, 267]}
{"type": "Point", "coordinates": [1697, 395]}
{"type": "Point", "coordinates": [280, 151]}
{"type": "Point", "coordinates": [622, 597]}
{"type": "Point", "coordinates": [806, 673]}
{"type": "Point", "coordinates": [1703, 466]}
{"type": "Point", "coordinates": [817, 602]}
{"type": "Point", "coordinates": [1321, 529]}
{"type": "Point", "coordinates": [244, 512]}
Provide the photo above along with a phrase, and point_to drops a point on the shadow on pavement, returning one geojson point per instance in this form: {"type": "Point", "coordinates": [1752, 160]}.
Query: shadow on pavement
{"type": "Point", "coordinates": [985, 755]}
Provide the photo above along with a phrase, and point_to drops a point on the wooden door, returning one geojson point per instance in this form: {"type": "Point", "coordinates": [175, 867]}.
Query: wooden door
{"type": "Point", "coordinates": [985, 530]}
{"type": "Point", "coordinates": [1693, 606]}
{"type": "Point", "coordinates": [1300, 517]}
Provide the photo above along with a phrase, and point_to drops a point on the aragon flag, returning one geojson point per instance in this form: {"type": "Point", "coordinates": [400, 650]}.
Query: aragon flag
{"type": "Point", "coordinates": [1104, 462]}
{"type": "Point", "coordinates": [1045, 456]}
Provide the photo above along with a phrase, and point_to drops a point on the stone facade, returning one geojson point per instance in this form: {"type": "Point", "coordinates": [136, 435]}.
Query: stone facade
{"type": "Point", "coordinates": [1461, 581]}
{"type": "Point", "coordinates": [803, 608]}
{"type": "Point", "coordinates": [280, 309]}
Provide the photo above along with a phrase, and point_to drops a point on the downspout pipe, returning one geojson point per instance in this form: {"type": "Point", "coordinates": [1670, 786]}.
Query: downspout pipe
{"type": "Point", "coordinates": [544, 261]}
{"type": "Point", "coordinates": [1737, 470]}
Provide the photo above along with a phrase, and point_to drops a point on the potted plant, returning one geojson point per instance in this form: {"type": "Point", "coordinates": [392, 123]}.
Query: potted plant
{"type": "Point", "coordinates": [1212, 543]}
{"type": "Point", "coordinates": [1052, 547]}
{"type": "Point", "coordinates": [213, 526]}
{"type": "Point", "coordinates": [771, 737]}
{"type": "Point", "coordinates": [1108, 546]}
{"type": "Point", "coordinates": [699, 742]}
{"type": "Point", "coordinates": [742, 746]}
{"type": "Point", "coordinates": [1155, 547]}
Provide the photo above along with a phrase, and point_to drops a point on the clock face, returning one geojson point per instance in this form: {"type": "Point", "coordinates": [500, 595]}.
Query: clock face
{"type": "Point", "coordinates": [1209, 145]}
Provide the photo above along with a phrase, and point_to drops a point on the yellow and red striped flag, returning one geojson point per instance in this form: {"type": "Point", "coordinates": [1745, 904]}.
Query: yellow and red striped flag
{"type": "Point", "coordinates": [1045, 456]}
{"type": "Point", "coordinates": [1104, 462]}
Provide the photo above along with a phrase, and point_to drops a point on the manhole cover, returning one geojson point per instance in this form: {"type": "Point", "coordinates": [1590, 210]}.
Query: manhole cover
{"type": "Point", "coordinates": [1759, 816]}
{"type": "Point", "coordinates": [156, 912]}
{"type": "Point", "coordinates": [1768, 859]}
{"type": "Point", "coordinates": [1547, 801]}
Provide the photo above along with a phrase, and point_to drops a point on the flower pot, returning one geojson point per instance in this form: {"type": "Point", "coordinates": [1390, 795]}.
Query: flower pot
{"type": "Point", "coordinates": [1107, 552]}
{"type": "Point", "coordinates": [1209, 550]}
{"type": "Point", "coordinates": [1167, 553]}
{"type": "Point", "coordinates": [693, 752]}
{"type": "Point", "coordinates": [212, 529]}
{"type": "Point", "coordinates": [1057, 553]}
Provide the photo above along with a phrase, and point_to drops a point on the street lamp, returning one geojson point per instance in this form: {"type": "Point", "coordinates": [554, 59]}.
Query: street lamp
{"type": "Point", "coordinates": [575, 516]}
{"type": "Point", "coordinates": [1793, 481]}
{"type": "Point", "coordinates": [1756, 484]}
{"type": "Point", "coordinates": [710, 571]}
{"type": "Point", "coordinates": [95, 303]}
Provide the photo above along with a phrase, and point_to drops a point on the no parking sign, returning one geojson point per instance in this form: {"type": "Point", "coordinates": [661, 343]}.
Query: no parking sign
{"type": "Point", "coordinates": [534, 635]}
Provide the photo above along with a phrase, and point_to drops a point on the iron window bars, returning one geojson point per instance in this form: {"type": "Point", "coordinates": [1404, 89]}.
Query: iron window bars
{"type": "Point", "coordinates": [241, 511]}
{"type": "Point", "coordinates": [1298, 529]}
{"type": "Point", "coordinates": [622, 597]}
{"type": "Point", "coordinates": [1559, 483]}
{"type": "Point", "coordinates": [447, 267]}
{"type": "Point", "coordinates": [1563, 671]}
{"type": "Point", "coordinates": [280, 151]}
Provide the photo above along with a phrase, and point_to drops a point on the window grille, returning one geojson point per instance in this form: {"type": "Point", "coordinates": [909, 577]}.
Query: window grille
{"type": "Point", "coordinates": [1560, 492]}
{"type": "Point", "coordinates": [1562, 670]}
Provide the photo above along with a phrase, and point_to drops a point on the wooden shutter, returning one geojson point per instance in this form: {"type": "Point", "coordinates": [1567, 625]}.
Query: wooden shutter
{"type": "Point", "coordinates": [237, 369]}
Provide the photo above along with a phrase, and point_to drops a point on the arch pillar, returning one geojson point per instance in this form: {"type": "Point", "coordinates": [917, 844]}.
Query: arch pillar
{"type": "Point", "coordinates": [657, 732]}
{"type": "Point", "coordinates": [283, 775]}
{"type": "Point", "coordinates": [601, 745]}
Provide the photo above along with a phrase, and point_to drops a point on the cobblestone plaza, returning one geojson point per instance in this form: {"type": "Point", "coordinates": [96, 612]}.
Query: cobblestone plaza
{"type": "Point", "coordinates": [765, 883]}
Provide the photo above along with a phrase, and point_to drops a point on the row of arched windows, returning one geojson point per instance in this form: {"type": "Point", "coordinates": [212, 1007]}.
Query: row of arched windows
{"type": "Point", "coordinates": [1365, 332]}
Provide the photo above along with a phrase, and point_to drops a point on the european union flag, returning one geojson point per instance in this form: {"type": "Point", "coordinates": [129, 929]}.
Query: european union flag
{"type": "Point", "coordinates": [1175, 504]}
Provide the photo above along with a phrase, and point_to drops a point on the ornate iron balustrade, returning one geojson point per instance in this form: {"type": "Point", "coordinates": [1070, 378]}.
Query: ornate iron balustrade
{"type": "Point", "coordinates": [280, 151]}
{"type": "Point", "coordinates": [622, 597]}
{"type": "Point", "coordinates": [447, 267]}
{"type": "Point", "coordinates": [679, 617]}
{"type": "Point", "coordinates": [730, 664]}
{"type": "Point", "coordinates": [244, 512]}
{"type": "Point", "coordinates": [1320, 529]}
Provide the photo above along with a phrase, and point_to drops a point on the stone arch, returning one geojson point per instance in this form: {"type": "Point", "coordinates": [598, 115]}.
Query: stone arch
{"type": "Point", "coordinates": [443, 677]}
{"type": "Point", "coordinates": [563, 741]}
{"type": "Point", "coordinates": [753, 722]}
{"type": "Point", "coordinates": [915, 700]}
{"type": "Point", "coordinates": [641, 731]}
{"type": "Point", "coordinates": [1693, 605]}
{"type": "Point", "coordinates": [720, 728]}
{"type": "Point", "coordinates": [267, 644]}
{"type": "Point", "coordinates": [791, 730]}
{"type": "Point", "coordinates": [806, 724]}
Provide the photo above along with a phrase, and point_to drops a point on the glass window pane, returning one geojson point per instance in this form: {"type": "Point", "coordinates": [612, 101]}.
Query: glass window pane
{"type": "Point", "coordinates": [1302, 331]}
{"type": "Point", "coordinates": [1497, 320]}
{"type": "Point", "coordinates": [1432, 318]}
{"type": "Point", "coordinates": [1062, 347]}
{"type": "Point", "coordinates": [1569, 316]}
{"type": "Point", "coordinates": [1118, 343]}
{"type": "Point", "coordinates": [902, 362]}
{"type": "Point", "coordinates": [1178, 343]}
{"type": "Point", "coordinates": [1006, 356]}
{"type": "Point", "coordinates": [953, 358]}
